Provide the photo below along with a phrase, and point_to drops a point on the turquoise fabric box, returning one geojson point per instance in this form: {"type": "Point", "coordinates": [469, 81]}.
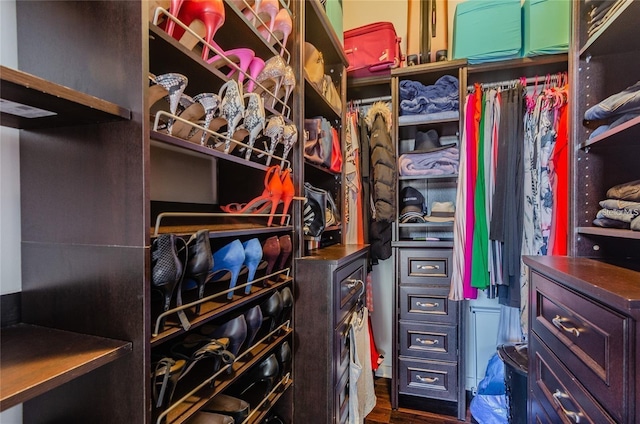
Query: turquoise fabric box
{"type": "Point", "coordinates": [487, 30]}
{"type": "Point", "coordinates": [545, 26]}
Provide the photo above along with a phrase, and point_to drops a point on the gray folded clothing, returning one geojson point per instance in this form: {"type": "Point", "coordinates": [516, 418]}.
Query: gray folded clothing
{"type": "Point", "coordinates": [617, 214]}
{"type": "Point", "coordinates": [620, 204]}
{"type": "Point", "coordinates": [610, 223]}
{"type": "Point", "coordinates": [635, 224]}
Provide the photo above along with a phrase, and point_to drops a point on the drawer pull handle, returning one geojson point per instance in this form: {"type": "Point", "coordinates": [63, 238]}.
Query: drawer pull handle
{"type": "Point", "coordinates": [575, 416]}
{"type": "Point", "coordinates": [427, 304]}
{"type": "Point", "coordinates": [429, 380]}
{"type": "Point", "coordinates": [352, 284]}
{"type": "Point", "coordinates": [427, 341]}
{"type": "Point", "coordinates": [428, 266]}
{"type": "Point", "coordinates": [558, 321]}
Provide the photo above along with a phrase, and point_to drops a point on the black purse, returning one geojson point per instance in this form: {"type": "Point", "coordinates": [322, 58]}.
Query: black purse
{"type": "Point", "coordinates": [314, 210]}
{"type": "Point", "coordinates": [319, 143]}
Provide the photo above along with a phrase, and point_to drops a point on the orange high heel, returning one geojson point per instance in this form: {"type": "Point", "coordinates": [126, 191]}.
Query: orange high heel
{"type": "Point", "coordinates": [209, 12]}
{"type": "Point", "coordinates": [288, 191]}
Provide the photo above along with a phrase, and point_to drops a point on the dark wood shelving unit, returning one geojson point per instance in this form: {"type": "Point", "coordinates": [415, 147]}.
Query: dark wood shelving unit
{"type": "Point", "coordinates": [610, 232]}
{"type": "Point", "coordinates": [622, 135]}
{"type": "Point", "coordinates": [423, 243]}
{"type": "Point", "coordinates": [613, 37]}
{"type": "Point", "coordinates": [514, 68]}
{"type": "Point", "coordinates": [324, 37]}
{"type": "Point", "coordinates": [37, 359]}
{"type": "Point", "coordinates": [59, 106]}
{"type": "Point", "coordinates": [317, 104]}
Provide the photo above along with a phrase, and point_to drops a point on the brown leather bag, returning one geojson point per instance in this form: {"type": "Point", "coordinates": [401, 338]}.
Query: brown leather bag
{"type": "Point", "coordinates": [318, 145]}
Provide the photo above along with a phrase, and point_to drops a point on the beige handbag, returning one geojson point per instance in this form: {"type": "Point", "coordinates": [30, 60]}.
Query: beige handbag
{"type": "Point", "coordinates": [314, 64]}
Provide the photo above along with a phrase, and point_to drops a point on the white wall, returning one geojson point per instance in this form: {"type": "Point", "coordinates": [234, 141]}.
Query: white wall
{"type": "Point", "coordinates": [10, 272]}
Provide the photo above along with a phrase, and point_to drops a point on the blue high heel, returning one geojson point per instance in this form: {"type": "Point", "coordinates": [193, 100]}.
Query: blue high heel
{"type": "Point", "coordinates": [252, 258]}
{"type": "Point", "coordinates": [228, 258]}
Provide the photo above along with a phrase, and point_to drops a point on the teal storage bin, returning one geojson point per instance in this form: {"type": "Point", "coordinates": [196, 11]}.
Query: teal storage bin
{"type": "Point", "coordinates": [487, 30]}
{"type": "Point", "coordinates": [545, 26]}
{"type": "Point", "coordinates": [334, 13]}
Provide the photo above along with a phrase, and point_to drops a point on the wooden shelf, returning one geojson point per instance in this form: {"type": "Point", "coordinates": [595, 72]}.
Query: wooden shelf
{"type": "Point", "coordinates": [44, 104]}
{"type": "Point", "coordinates": [316, 104]}
{"type": "Point", "coordinates": [623, 135]}
{"type": "Point", "coordinates": [428, 177]}
{"type": "Point", "coordinates": [427, 225]}
{"type": "Point", "coordinates": [515, 68]}
{"type": "Point", "coordinates": [610, 232]}
{"type": "Point", "coordinates": [427, 120]}
{"type": "Point", "coordinates": [37, 359]}
{"type": "Point", "coordinates": [423, 243]}
{"type": "Point", "coordinates": [619, 34]}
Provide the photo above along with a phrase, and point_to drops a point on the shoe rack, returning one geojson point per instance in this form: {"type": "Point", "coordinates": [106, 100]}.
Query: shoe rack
{"type": "Point", "coordinates": [101, 182]}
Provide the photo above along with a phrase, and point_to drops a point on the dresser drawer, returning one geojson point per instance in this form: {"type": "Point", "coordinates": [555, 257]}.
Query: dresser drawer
{"type": "Point", "coordinates": [425, 266]}
{"type": "Point", "coordinates": [558, 391]}
{"type": "Point", "coordinates": [342, 398]}
{"type": "Point", "coordinates": [592, 340]}
{"type": "Point", "coordinates": [429, 341]}
{"type": "Point", "coordinates": [433, 379]}
{"type": "Point", "coordinates": [341, 346]}
{"type": "Point", "coordinates": [349, 285]}
{"type": "Point", "coordinates": [422, 304]}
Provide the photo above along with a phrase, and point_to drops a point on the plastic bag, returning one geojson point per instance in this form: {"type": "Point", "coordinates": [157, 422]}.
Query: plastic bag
{"type": "Point", "coordinates": [489, 406]}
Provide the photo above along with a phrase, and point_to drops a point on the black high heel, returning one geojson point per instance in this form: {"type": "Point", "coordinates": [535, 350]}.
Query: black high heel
{"type": "Point", "coordinates": [264, 374]}
{"type": "Point", "coordinates": [253, 317]}
{"type": "Point", "coordinates": [283, 354]}
{"type": "Point", "coordinates": [287, 305]}
{"type": "Point", "coordinates": [236, 408]}
{"type": "Point", "coordinates": [200, 262]}
{"type": "Point", "coordinates": [235, 330]}
{"type": "Point", "coordinates": [195, 348]}
{"type": "Point", "coordinates": [165, 377]}
{"type": "Point", "coordinates": [271, 311]}
{"type": "Point", "coordinates": [167, 268]}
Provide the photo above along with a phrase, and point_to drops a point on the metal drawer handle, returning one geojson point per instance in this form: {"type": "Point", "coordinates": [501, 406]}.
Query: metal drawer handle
{"type": "Point", "coordinates": [427, 379]}
{"type": "Point", "coordinates": [428, 266]}
{"type": "Point", "coordinates": [558, 321]}
{"type": "Point", "coordinates": [351, 284]}
{"type": "Point", "coordinates": [427, 304]}
{"type": "Point", "coordinates": [427, 341]}
{"type": "Point", "coordinates": [575, 416]}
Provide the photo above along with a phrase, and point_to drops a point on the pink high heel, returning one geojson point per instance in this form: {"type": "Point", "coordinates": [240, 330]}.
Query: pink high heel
{"type": "Point", "coordinates": [281, 29]}
{"type": "Point", "coordinates": [256, 66]}
{"type": "Point", "coordinates": [262, 10]}
{"type": "Point", "coordinates": [209, 12]}
{"type": "Point", "coordinates": [241, 57]}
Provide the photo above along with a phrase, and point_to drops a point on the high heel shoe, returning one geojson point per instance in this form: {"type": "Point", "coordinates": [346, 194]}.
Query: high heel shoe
{"type": "Point", "coordinates": [275, 131]}
{"type": "Point", "coordinates": [270, 78]}
{"type": "Point", "coordinates": [231, 111]}
{"type": "Point", "coordinates": [235, 330]}
{"type": "Point", "coordinates": [283, 355]}
{"type": "Point", "coordinates": [271, 252]}
{"type": "Point", "coordinates": [252, 258]}
{"type": "Point", "coordinates": [281, 29]}
{"type": "Point", "coordinates": [289, 83]}
{"type": "Point", "coordinates": [241, 57]}
{"type": "Point", "coordinates": [234, 407]}
{"type": "Point", "coordinates": [209, 12]}
{"type": "Point", "coordinates": [204, 417]}
{"type": "Point", "coordinates": [195, 348]}
{"type": "Point", "coordinates": [166, 268]}
{"type": "Point", "coordinates": [286, 248]}
{"type": "Point", "coordinates": [263, 12]}
{"type": "Point", "coordinates": [266, 201]}
{"type": "Point", "coordinates": [210, 103]}
{"type": "Point", "coordinates": [287, 305]}
{"type": "Point", "coordinates": [171, 85]}
{"type": "Point", "coordinates": [256, 66]}
{"type": "Point", "coordinates": [199, 263]}
{"type": "Point", "coordinates": [265, 375]}
{"type": "Point", "coordinates": [271, 311]}
{"type": "Point", "coordinates": [253, 318]}
{"type": "Point", "coordinates": [288, 191]}
{"type": "Point", "coordinates": [253, 122]}
{"type": "Point", "coordinates": [165, 377]}
{"type": "Point", "coordinates": [228, 258]}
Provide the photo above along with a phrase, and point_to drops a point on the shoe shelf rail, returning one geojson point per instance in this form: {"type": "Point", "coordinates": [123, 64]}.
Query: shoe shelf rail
{"type": "Point", "coordinates": [182, 409]}
{"type": "Point", "coordinates": [30, 102]}
{"type": "Point", "coordinates": [274, 96]}
{"type": "Point", "coordinates": [261, 409]}
{"type": "Point", "coordinates": [37, 359]}
{"type": "Point", "coordinates": [222, 138]}
{"type": "Point", "coordinates": [283, 277]}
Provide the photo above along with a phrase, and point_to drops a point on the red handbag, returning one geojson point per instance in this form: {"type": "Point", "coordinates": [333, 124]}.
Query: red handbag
{"type": "Point", "coordinates": [372, 49]}
{"type": "Point", "coordinates": [336, 152]}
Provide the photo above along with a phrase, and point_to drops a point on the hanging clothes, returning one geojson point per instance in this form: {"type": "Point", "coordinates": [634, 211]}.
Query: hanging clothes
{"type": "Point", "coordinates": [353, 183]}
{"type": "Point", "coordinates": [362, 397]}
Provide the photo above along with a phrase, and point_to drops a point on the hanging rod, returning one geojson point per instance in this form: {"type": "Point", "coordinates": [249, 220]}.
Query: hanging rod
{"type": "Point", "coordinates": [542, 80]}
{"type": "Point", "coordinates": [370, 100]}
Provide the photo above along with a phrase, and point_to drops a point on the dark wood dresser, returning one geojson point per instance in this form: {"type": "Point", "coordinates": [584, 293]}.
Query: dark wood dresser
{"type": "Point", "coordinates": [584, 341]}
{"type": "Point", "coordinates": [328, 284]}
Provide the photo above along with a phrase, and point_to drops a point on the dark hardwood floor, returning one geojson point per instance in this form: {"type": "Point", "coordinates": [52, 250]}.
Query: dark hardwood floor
{"type": "Point", "coordinates": [383, 414]}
